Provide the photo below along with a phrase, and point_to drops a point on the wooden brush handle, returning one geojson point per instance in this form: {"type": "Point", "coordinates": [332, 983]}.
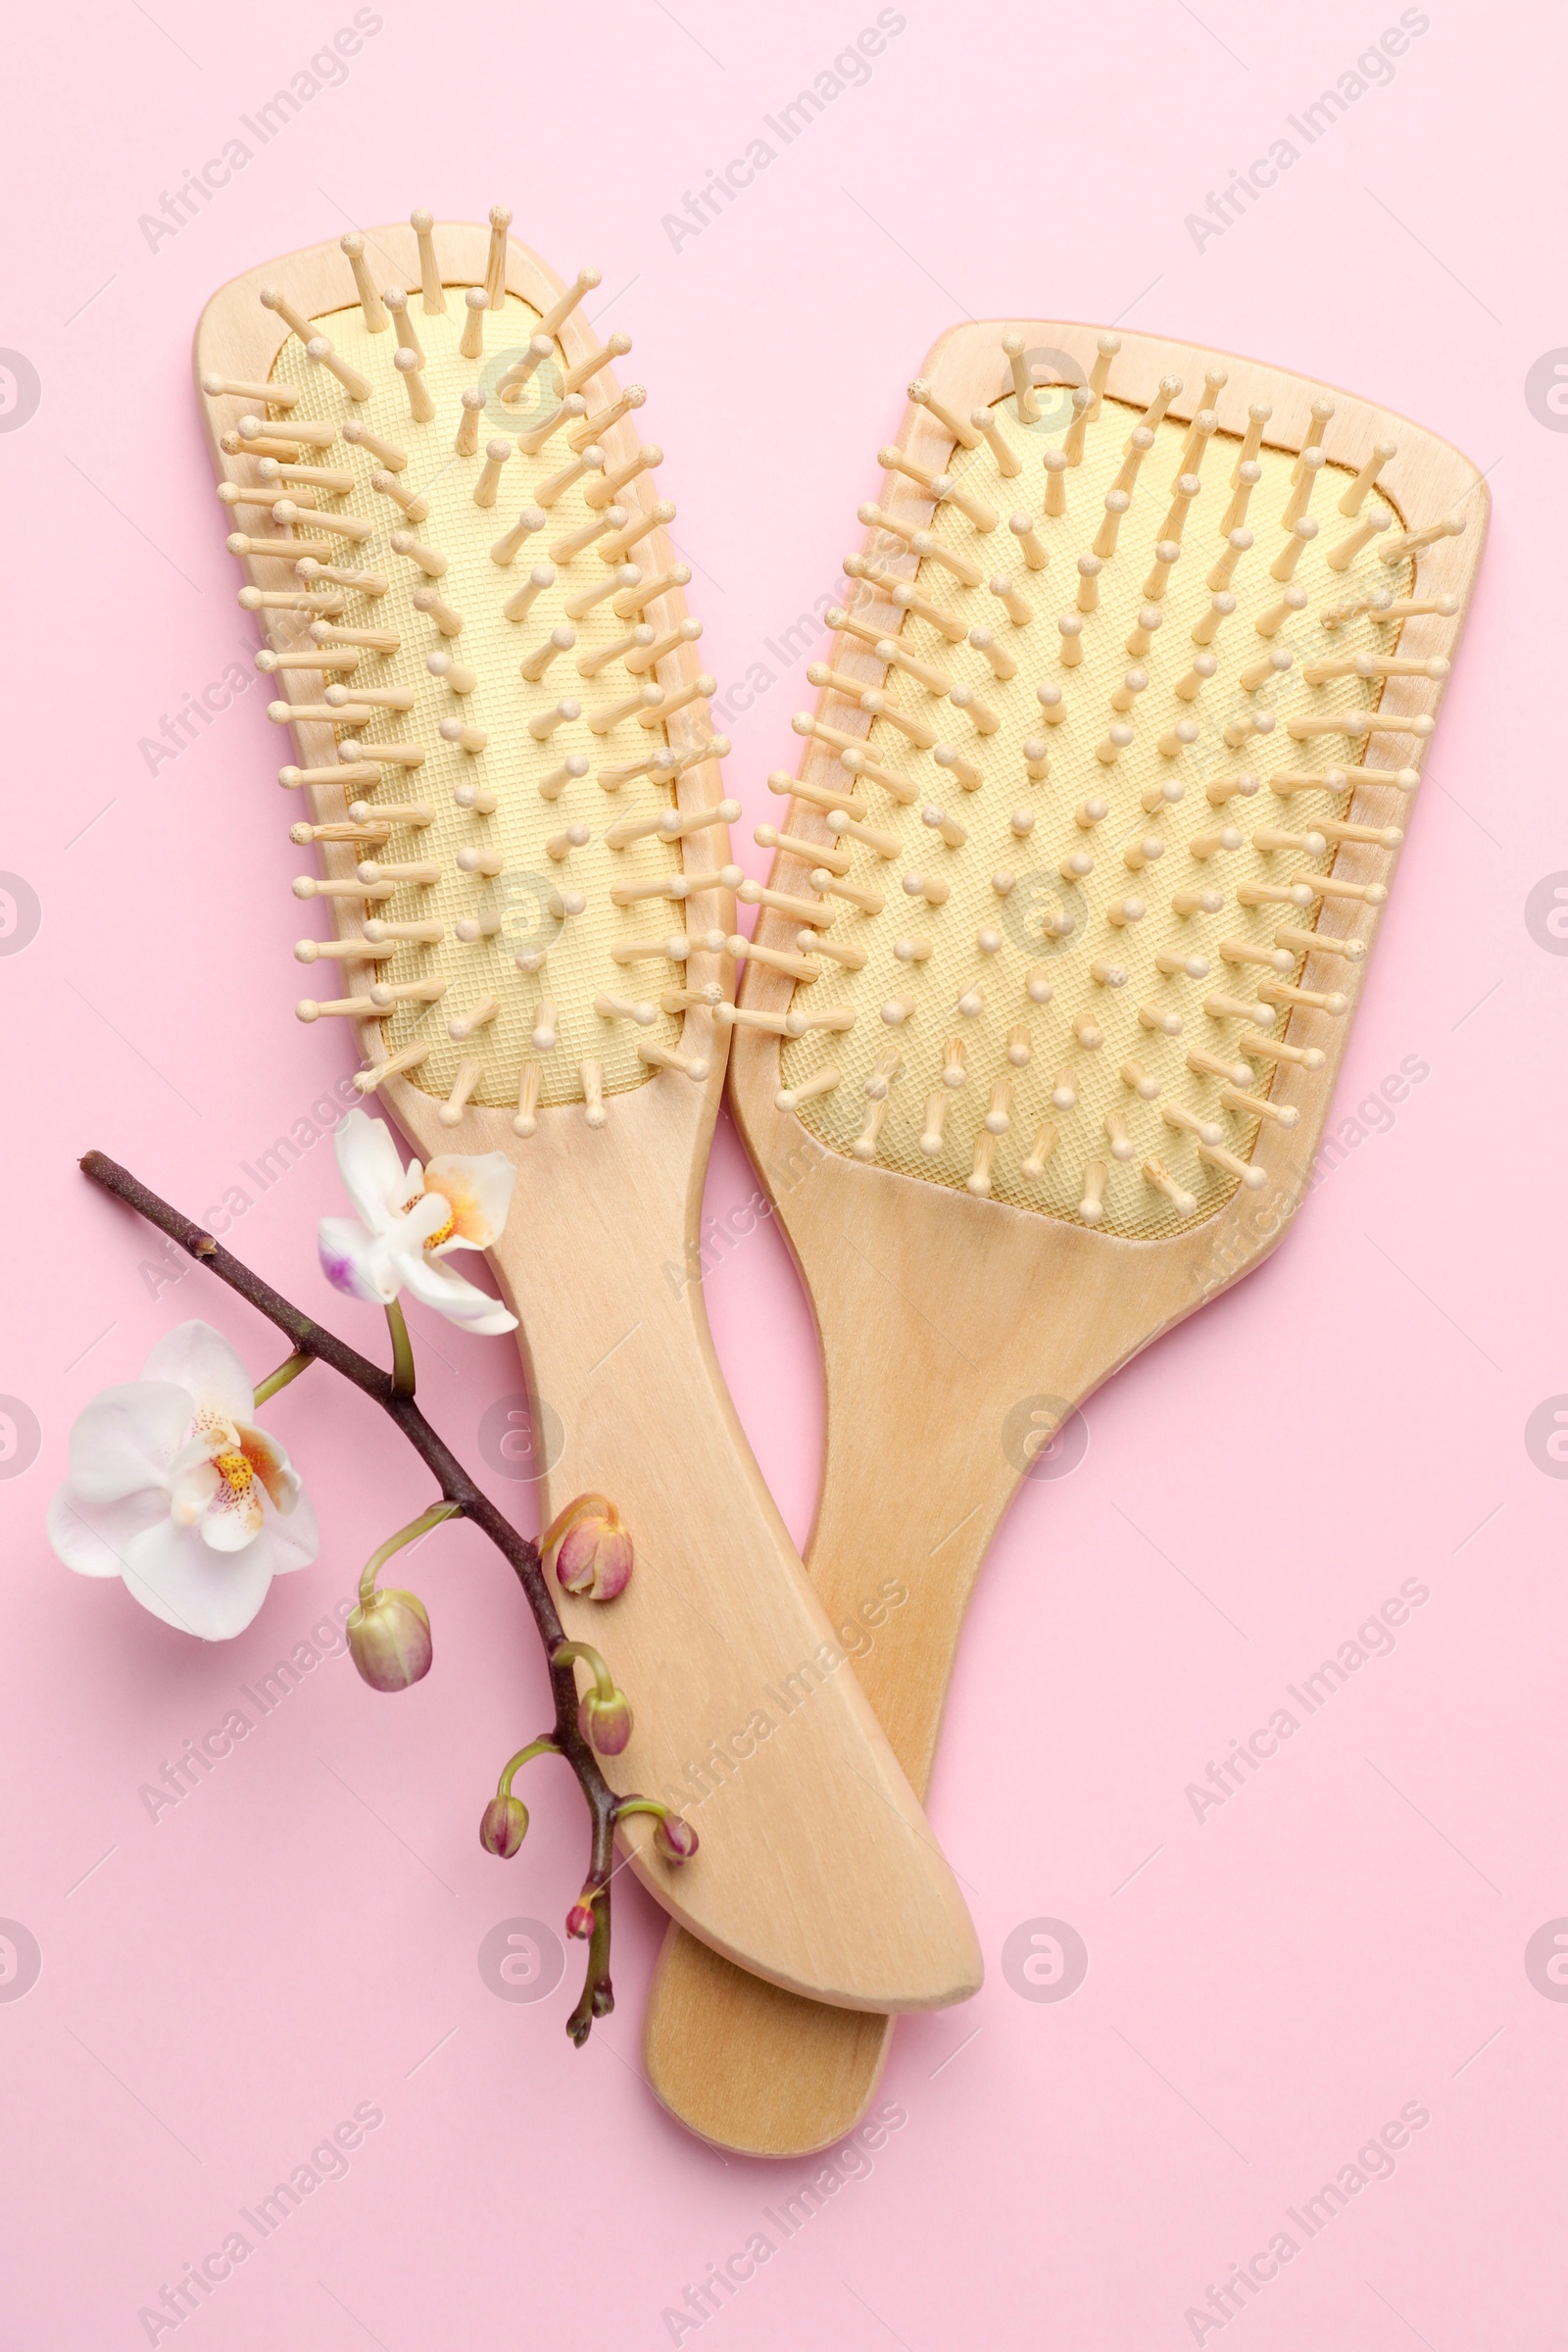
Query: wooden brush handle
{"type": "Point", "coordinates": [916, 1506]}
{"type": "Point", "coordinates": [817, 1868]}
{"type": "Point", "coordinates": [936, 1369]}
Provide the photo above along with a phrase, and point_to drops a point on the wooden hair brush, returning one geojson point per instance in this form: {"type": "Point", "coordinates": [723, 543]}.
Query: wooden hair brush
{"type": "Point", "coordinates": [476, 625]}
{"type": "Point", "coordinates": [1053, 976]}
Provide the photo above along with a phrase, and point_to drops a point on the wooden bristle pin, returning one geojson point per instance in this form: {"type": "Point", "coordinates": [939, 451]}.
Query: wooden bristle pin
{"type": "Point", "coordinates": [1000, 662]}
{"type": "Point", "coordinates": [589, 461]}
{"type": "Point", "coordinates": [1055, 462]}
{"type": "Point", "coordinates": [542, 576]}
{"type": "Point", "coordinates": [1072, 443]}
{"type": "Point", "coordinates": [505, 551]}
{"type": "Point", "coordinates": [472, 402]}
{"type": "Point", "coordinates": [1036, 553]}
{"type": "Point", "coordinates": [1236, 544]}
{"type": "Point", "coordinates": [472, 341]}
{"type": "Point", "coordinates": [1104, 545]}
{"type": "Point", "coordinates": [1166, 554]}
{"type": "Point", "coordinates": [1273, 665]}
{"type": "Point", "coordinates": [397, 303]}
{"type": "Point", "coordinates": [1220, 609]}
{"type": "Point", "coordinates": [1138, 445]}
{"type": "Point", "coordinates": [360, 436]}
{"type": "Point", "coordinates": [1092, 1206]}
{"type": "Point", "coordinates": [1198, 434]}
{"type": "Point", "coordinates": [567, 550]}
{"type": "Point", "coordinates": [426, 600]}
{"type": "Point", "coordinates": [495, 268]}
{"type": "Point", "coordinates": [633, 595]}
{"type": "Point", "coordinates": [1307, 469]}
{"type": "Point", "coordinates": [581, 371]}
{"type": "Point", "coordinates": [1371, 466]}
{"type": "Point", "coordinates": [356, 386]}
{"type": "Point", "coordinates": [422, 408]}
{"type": "Point", "coordinates": [571, 409]}
{"type": "Point", "coordinates": [1167, 389]}
{"type": "Point", "coordinates": [1298, 537]}
{"type": "Point", "coordinates": [610, 487]}
{"type": "Point", "coordinates": [544, 724]}
{"type": "Point", "coordinates": [386, 484]}
{"type": "Point", "coordinates": [291, 436]}
{"type": "Point", "coordinates": [429, 560]}
{"type": "Point", "coordinates": [1413, 543]}
{"type": "Point", "coordinates": [923, 397]}
{"type": "Point", "coordinates": [595, 425]}
{"type": "Point", "coordinates": [561, 308]}
{"type": "Point", "coordinates": [272, 298]}
{"type": "Point", "coordinates": [1024, 401]}
{"type": "Point", "coordinates": [1251, 474]}
{"type": "Point", "coordinates": [376, 318]}
{"type": "Point", "coordinates": [570, 771]}
{"type": "Point", "coordinates": [519, 375]}
{"type": "Point", "coordinates": [496, 454]}
{"type": "Point", "coordinates": [1269, 624]}
{"type": "Point", "coordinates": [634, 528]}
{"type": "Point", "coordinates": [1009, 464]}
{"type": "Point", "coordinates": [1105, 350]}
{"type": "Point", "coordinates": [1257, 415]}
{"type": "Point", "coordinates": [277, 396]}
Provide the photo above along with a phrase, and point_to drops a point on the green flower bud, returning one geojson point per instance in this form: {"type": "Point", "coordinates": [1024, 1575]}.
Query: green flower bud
{"type": "Point", "coordinates": [389, 1640]}
{"type": "Point", "coordinates": [503, 1826]}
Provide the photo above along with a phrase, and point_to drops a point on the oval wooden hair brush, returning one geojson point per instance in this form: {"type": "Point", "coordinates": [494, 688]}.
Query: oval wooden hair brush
{"type": "Point", "coordinates": [477, 629]}
{"type": "Point", "coordinates": [1051, 981]}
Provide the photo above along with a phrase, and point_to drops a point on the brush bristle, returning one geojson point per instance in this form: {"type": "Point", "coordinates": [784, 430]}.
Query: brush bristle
{"type": "Point", "coordinates": [1058, 793]}
{"type": "Point", "coordinates": [518, 787]}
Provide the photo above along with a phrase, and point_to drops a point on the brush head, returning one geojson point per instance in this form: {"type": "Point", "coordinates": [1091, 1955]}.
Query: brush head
{"type": "Point", "coordinates": [1135, 816]}
{"type": "Point", "coordinates": [451, 542]}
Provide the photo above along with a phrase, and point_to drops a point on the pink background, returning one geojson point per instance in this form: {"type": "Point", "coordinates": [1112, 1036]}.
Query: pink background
{"type": "Point", "coordinates": [1267, 1988]}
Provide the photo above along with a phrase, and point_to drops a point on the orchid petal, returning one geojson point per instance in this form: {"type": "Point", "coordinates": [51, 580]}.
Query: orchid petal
{"type": "Point", "coordinates": [273, 1467]}
{"type": "Point", "coordinates": [372, 1169]}
{"type": "Point", "coordinates": [93, 1536]}
{"type": "Point", "coordinates": [353, 1263]}
{"type": "Point", "coordinates": [294, 1541]}
{"type": "Point", "coordinates": [127, 1437]}
{"type": "Point", "coordinates": [479, 1187]}
{"type": "Point", "coordinates": [436, 1284]}
{"type": "Point", "coordinates": [232, 1519]}
{"type": "Point", "coordinates": [212, 1595]}
{"type": "Point", "coordinates": [196, 1357]}
{"type": "Point", "coordinates": [192, 1488]}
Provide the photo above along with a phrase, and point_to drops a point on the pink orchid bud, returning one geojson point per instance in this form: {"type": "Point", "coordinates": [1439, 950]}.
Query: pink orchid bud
{"type": "Point", "coordinates": [604, 1721]}
{"type": "Point", "coordinates": [581, 1921]}
{"type": "Point", "coordinates": [594, 1557]}
{"type": "Point", "coordinates": [675, 1838]}
{"type": "Point", "coordinates": [389, 1640]}
{"type": "Point", "coordinates": [503, 1826]}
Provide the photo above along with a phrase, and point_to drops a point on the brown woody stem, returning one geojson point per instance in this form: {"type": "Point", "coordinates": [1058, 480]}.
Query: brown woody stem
{"type": "Point", "coordinates": [312, 1343]}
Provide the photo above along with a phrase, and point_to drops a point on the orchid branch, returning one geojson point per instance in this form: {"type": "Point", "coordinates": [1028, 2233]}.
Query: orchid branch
{"type": "Point", "coordinates": [311, 1342]}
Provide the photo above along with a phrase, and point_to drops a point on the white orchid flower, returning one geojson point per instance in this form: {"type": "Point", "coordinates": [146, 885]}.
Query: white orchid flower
{"type": "Point", "coordinates": [174, 1488]}
{"type": "Point", "coordinates": [410, 1221]}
